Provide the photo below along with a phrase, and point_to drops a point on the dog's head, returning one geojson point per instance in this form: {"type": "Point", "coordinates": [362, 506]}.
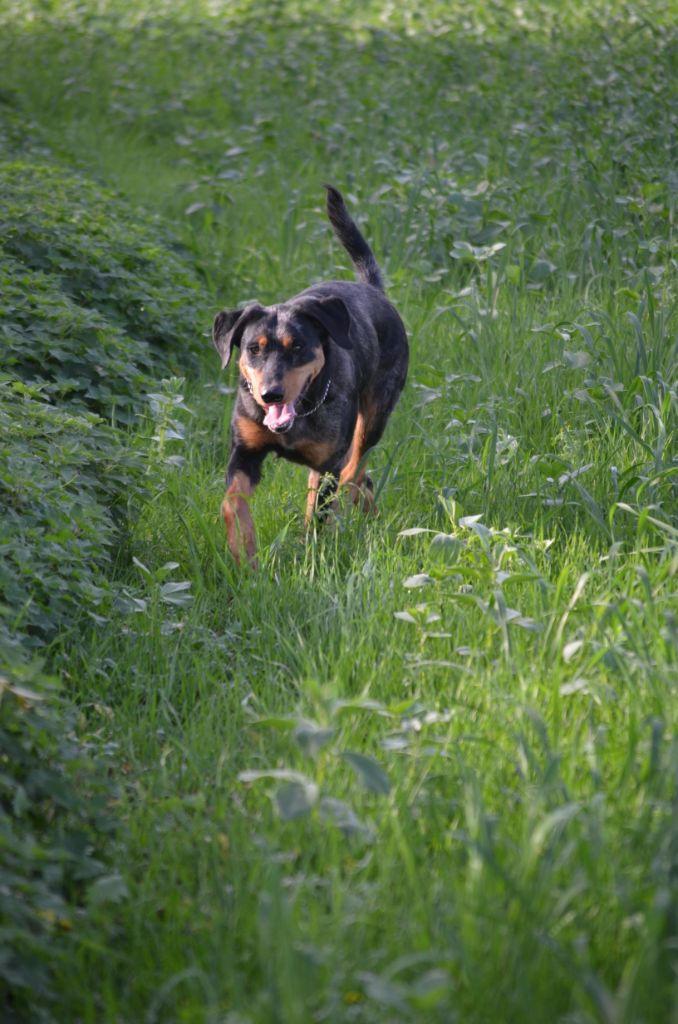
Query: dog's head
{"type": "Point", "coordinates": [282, 349]}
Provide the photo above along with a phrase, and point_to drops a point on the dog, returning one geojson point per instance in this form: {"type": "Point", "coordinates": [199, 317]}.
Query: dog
{"type": "Point", "coordinates": [320, 375]}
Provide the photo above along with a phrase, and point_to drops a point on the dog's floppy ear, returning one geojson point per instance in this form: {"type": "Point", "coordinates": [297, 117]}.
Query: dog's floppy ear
{"type": "Point", "coordinates": [228, 327]}
{"type": "Point", "coordinates": [332, 314]}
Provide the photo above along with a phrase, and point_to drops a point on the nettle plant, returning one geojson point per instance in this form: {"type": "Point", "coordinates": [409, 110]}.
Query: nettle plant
{"type": "Point", "coordinates": [625, 385]}
{"type": "Point", "coordinates": [56, 826]}
{"type": "Point", "coordinates": [154, 595]}
{"type": "Point", "coordinates": [98, 301]}
{"type": "Point", "coordinates": [66, 485]}
{"type": "Point", "coordinates": [159, 596]}
{"type": "Point", "coordinates": [167, 407]}
{"type": "Point", "coordinates": [332, 768]}
{"type": "Point", "coordinates": [473, 565]}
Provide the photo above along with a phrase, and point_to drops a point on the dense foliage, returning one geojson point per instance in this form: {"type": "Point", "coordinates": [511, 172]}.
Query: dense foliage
{"type": "Point", "coordinates": [97, 305]}
{"type": "Point", "coordinates": [55, 817]}
{"type": "Point", "coordinates": [97, 302]}
{"type": "Point", "coordinates": [65, 478]}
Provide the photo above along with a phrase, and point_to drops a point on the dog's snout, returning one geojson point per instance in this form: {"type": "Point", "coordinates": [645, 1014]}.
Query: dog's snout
{"type": "Point", "coordinates": [273, 395]}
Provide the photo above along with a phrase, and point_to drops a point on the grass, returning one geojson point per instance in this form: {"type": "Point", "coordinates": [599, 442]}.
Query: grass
{"type": "Point", "coordinates": [421, 767]}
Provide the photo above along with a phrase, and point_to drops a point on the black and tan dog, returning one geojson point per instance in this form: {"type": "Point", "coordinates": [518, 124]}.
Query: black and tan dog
{"type": "Point", "coordinates": [319, 377]}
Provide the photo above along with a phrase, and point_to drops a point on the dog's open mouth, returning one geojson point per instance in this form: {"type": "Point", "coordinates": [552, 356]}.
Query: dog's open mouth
{"type": "Point", "coordinates": [280, 418]}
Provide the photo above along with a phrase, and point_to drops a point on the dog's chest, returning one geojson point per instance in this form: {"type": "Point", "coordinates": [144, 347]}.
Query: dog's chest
{"type": "Point", "coordinates": [307, 449]}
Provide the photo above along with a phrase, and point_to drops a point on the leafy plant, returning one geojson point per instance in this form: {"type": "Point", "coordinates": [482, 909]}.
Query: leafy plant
{"type": "Point", "coordinates": [56, 823]}
{"type": "Point", "coordinates": [66, 485]}
{"type": "Point", "coordinates": [296, 794]}
{"type": "Point", "coordinates": [97, 300]}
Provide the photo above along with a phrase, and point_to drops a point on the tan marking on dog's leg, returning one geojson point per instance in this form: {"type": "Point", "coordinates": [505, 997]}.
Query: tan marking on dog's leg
{"type": "Point", "coordinates": [313, 488]}
{"type": "Point", "coordinates": [350, 469]}
{"type": "Point", "coordinates": [238, 519]}
{"type": "Point", "coordinates": [353, 474]}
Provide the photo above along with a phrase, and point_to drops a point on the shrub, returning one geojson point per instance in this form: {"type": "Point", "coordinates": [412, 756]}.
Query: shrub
{"type": "Point", "coordinates": [64, 480]}
{"type": "Point", "coordinates": [98, 306]}
{"type": "Point", "coordinates": [55, 820]}
{"type": "Point", "coordinates": [97, 301]}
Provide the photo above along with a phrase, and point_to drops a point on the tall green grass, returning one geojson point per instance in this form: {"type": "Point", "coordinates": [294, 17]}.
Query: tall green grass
{"type": "Point", "coordinates": [421, 767]}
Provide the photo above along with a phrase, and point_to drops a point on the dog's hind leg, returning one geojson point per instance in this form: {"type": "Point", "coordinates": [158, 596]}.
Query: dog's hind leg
{"type": "Point", "coordinates": [321, 497]}
{"type": "Point", "coordinates": [353, 476]}
{"type": "Point", "coordinates": [326, 501]}
{"type": "Point", "coordinates": [312, 496]}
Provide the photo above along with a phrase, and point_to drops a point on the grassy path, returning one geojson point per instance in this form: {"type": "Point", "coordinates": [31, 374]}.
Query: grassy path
{"type": "Point", "coordinates": [421, 767]}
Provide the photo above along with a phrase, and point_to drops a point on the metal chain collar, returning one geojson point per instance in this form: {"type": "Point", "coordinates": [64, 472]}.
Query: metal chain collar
{"type": "Point", "coordinates": [299, 415]}
{"type": "Point", "coordinates": [327, 388]}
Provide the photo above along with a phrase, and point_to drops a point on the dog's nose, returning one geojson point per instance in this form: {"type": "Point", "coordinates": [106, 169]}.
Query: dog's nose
{"type": "Point", "coordinates": [273, 396]}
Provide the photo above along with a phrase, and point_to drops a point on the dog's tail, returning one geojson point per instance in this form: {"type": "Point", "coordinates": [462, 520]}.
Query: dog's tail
{"type": "Point", "coordinates": [346, 230]}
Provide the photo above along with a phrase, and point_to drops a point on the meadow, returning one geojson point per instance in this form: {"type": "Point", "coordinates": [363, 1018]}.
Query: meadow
{"type": "Point", "coordinates": [422, 766]}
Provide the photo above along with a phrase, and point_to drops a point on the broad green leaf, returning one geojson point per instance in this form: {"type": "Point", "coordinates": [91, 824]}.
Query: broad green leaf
{"type": "Point", "coordinates": [109, 889]}
{"type": "Point", "coordinates": [576, 360]}
{"type": "Point", "coordinates": [311, 737]}
{"type": "Point", "coordinates": [541, 270]}
{"type": "Point", "coordinates": [405, 616]}
{"type": "Point", "coordinates": [295, 799]}
{"type": "Point", "coordinates": [369, 772]}
{"type": "Point", "coordinates": [571, 649]}
{"type": "Point", "coordinates": [364, 704]}
{"type": "Point", "coordinates": [420, 580]}
{"type": "Point", "coordinates": [176, 593]}
{"type": "Point", "coordinates": [344, 817]}
{"type": "Point", "coordinates": [383, 991]}
{"type": "Point", "coordinates": [278, 774]}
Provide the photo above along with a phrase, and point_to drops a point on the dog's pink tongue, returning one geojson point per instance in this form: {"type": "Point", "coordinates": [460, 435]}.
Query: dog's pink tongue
{"type": "Point", "coordinates": [279, 415]}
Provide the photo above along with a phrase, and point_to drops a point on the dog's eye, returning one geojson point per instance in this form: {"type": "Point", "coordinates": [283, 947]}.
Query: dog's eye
{"type": "Point", "coordinates": [253, 350]}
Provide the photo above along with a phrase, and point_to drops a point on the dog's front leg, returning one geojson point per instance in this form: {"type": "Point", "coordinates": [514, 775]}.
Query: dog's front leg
{"type": "Point", "coordinates": [238, 518]}
{"type": "Point", "coordinates": [242, 476]}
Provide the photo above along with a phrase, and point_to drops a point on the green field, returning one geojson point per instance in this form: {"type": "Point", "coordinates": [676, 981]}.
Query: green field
{"type": "Point", "coordinates": [421, 766]}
